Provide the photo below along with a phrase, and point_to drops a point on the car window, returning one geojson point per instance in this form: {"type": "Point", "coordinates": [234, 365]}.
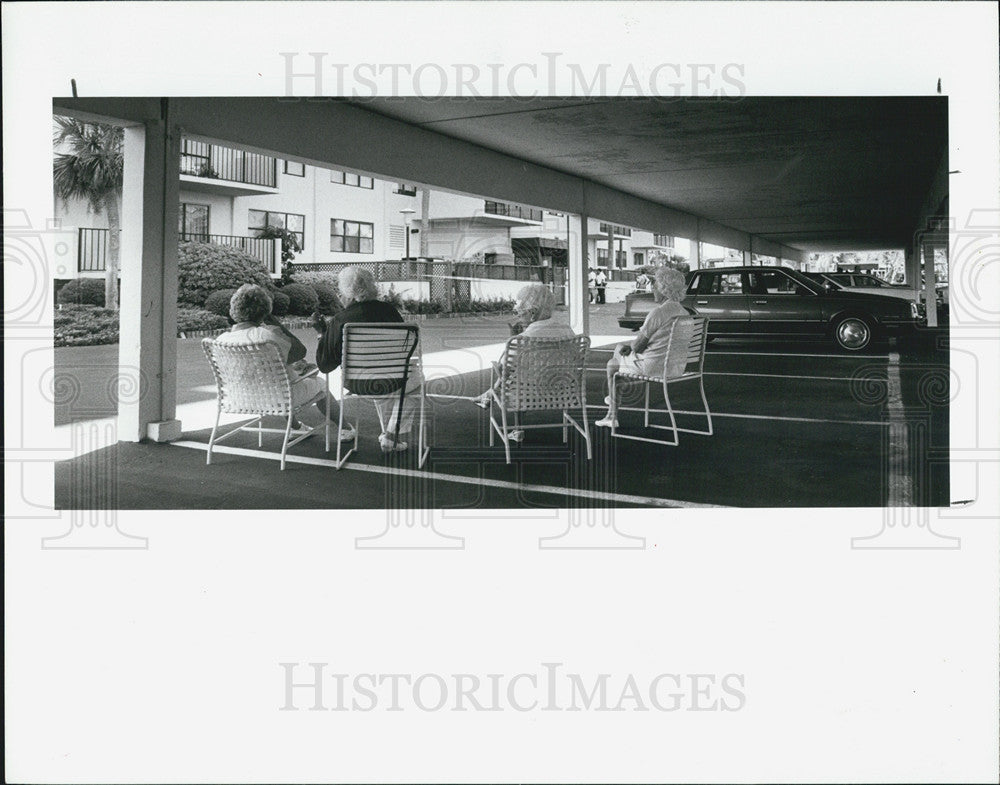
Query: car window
{"type": "Point", "coordinates": [720, 283]}
{"type": "Point", "coordinates": [771, 283]}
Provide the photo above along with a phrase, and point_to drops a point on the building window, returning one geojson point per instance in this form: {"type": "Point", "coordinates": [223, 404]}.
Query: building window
{"type": "Point", "coordinates": [347, 178]}
{"type": "Point", "coordinates": [296, 224]}
{"type": "Point", "coordinates": [664, 240]}
{"type": "Point", "coordinates": [192, 221]}
{"type": "Point", "coordinates": [351, 236]}
{"type": "Point", "coordinates": [196, 158]}
{"type": "Point", "coordinates": [406, 190]}
{"type": "Point", "coordinates": [295, 168]}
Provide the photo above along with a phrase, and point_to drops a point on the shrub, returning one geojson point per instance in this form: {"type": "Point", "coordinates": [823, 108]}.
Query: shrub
{"type": "Point", "coordinates": [279, 303]}
{"type": "Point", "coordinates": [190, 319]}
{"type": "Point", "coordinates": [325, 286]}
{"type": "Point", "coordinates": [85, 326]}
{"type": "Point", "coordinates": [82, 291]}
{"type": "Point", "coordinates": [392, 297]}
{"type": "Point", "coordinates": [204, 268]}
{"type": "Point", "coordinates": [218, 302]}
{"type": "Point", "coordinates": [302, 298]}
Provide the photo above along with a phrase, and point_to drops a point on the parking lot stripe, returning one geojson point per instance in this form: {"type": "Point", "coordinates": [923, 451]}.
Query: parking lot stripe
{"type": "Point", "coordinates": [900, 479]}
{"type": "Point", "coordinates": [791, 376]}
{"type": "Point", "coordinates": [732, 415]}
{"type": "Point", "coordinates": [579, 493]}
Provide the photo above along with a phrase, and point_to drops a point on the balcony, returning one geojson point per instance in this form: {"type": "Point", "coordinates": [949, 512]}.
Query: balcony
{"type": "Point", "coordinates": [513, 211]}
{"type": "Point", "coordinates": [92, 248]}
{"type": "Point", "coordinates": [619, 231]}
{"type": "Point", "coordinates": [226, 170]}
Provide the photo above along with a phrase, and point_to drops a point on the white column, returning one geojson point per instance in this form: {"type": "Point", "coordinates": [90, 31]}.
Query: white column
{"type": "Point", "coordinates": [929, 288]}
{"type": "Point", "coordinates": [747, 257]}
{"type": "Point", "coordinates": [694, 257]}
{"type": "Point", "coordinates": [148, 342]}
{"type": "Point", "coordinates": [576, 277]}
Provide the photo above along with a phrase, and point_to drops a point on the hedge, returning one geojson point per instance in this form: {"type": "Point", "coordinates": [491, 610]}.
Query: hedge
{"type": "Point", "coordinates": [279, 303]}
{"type": "Point", "coordinates": [85, 326]}
{"type": "Point", "coordinates": [204, 268]}
{"type": "Point", "coordinates": [325, 286]}
{"type": "Point", "coordinates": [191, 319]}
{"type": "Point", "coordinates": [82, 291]}
{"type": "Point", "coordinates": [302, 298]}
{"type": "Point", "coordinates": [218, 302]}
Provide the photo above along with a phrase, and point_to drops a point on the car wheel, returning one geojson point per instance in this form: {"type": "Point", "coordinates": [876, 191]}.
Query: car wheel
{"type": "Point", "coordinates": [852, 333]}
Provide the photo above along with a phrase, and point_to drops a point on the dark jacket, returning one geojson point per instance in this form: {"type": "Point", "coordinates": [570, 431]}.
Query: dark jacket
{"type": "Point", "coordinates": [329, 350]}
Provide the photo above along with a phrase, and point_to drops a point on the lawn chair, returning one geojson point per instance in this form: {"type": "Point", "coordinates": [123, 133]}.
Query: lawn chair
{"type": "Point", "coordinates": [378, 361]}
{"type": "Point", "coordinates": [252, 379]}
{"type": "Point", "coordinates": [539, 374]}
{"type": "Point", "coordinates": [684, 362]}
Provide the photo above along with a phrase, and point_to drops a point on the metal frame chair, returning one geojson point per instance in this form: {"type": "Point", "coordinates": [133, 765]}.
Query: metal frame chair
{"type": "Point", "coordinates": [251, 378]}
{"type": "Point", "coordinates": [539, 374]}
{"type": "Point", "coordinates": [685, 361]}
{"type": "Point", "coordinates": [378, 360]}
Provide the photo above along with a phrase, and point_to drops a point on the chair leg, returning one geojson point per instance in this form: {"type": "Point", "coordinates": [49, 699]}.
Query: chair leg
{"type": "Point", "coordinates": [565, 428]}
{"type": "Point", "coordinates": [340, 427]}
{"type": "Point", "coordinates": [646, 422]}
{"type": "Point", "coordinates": [284, 445]}
{"type": "Point", "coordinates": [211, 439]}
{"type": "Point", "coordinates": [326, 418]}
{"type": "Point", "coordinates": [505, 436]}
{"type": "Point", "coordinates": [421, 430]}
{"type": "Point", "coordinates": [586, 429]}
{"type": "Point", "coordinates": [260, 432]}
{"type": "Point", "coordinates": [704, 400]}
{"type": "Point", "coordinates": [670, 411]}
{"type": "Point", "coordinates": [492, 429]}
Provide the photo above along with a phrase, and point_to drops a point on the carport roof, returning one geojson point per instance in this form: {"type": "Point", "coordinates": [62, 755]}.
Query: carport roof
{"type": "Point", "coordinates": [813, 173]}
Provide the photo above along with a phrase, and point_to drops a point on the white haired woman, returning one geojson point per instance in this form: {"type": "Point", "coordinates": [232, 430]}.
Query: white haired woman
{"type": "Point", "coordinates": [250, 309]}
{"type": "Point", "coordinates": [359, 295]}
{"type": "Point", "coordinates": [646, 354]}
{"type": "Point", "coordinates": [533, 308]}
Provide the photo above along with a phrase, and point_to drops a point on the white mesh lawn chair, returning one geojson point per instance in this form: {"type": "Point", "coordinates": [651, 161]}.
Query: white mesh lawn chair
{"type": "Point", "coordinates": [252, 379]}
{"type": "Point", "coordinates": [378, 362]}
{"type": "Point", "coordinates": [539, 374]}
{"type": "Point", "coordinates": [684, 362]}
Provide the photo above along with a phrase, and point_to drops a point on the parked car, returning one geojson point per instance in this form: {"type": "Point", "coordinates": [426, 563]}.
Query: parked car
{"type": "Point", "coordinates": [779, 302]}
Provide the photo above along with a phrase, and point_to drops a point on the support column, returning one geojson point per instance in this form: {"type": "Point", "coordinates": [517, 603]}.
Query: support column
{"type": "Point", "coordinates": [576, 277]}
{"type": "Point", "coordinates": [747, 257]}
{"type": "Point", "coordinates": [694, 260]}
{"type": "Point", "coordinates": [148, 329]}
{"type": "Point", "coordinates": [929, 287]}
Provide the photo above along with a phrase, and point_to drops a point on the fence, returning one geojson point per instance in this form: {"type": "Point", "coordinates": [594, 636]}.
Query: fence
{"type": "Point", "coordinates": [92, 248]}
{"type": "Point", "coordinates": [200, 159]}
{"type": "Point", "coordinates": [409, 270]}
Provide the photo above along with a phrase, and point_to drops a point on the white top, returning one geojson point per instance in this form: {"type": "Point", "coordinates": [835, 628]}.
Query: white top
{"type": "Point", "coordinates": [548, 328]}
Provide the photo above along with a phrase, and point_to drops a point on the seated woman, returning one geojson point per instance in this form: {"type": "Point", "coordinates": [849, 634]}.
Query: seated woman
{"type": "Point", "coordinates": [647, 353]}
{"type": "Point", "coordinates": [250, 309]}
{"type": "Point", "coordinates": [533, 309]}
{"type": "Point", "coordinates": [359, 295]}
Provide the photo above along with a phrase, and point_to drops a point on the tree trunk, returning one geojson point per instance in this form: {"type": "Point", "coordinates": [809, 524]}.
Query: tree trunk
{"type": "Point", "coordinates": [425, 208]}
{"type": "Point", "coordinates": [114, 252]}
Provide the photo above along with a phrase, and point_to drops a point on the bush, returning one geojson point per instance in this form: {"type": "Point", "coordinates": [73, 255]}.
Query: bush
{"type": "Point", "coordinates": [218, 302]}
{"type": "Point", "coordinates": [190, 319]}
{"type": "Point", "coordinates": [85, 326]}
{"type": "Point", "coordinates": [204, 268]}
{"type": "Point", "coordinates": [82, 291]}
{"type": "Point", "coordinates": [279, 303]}
{"type": "Point", "coordinates": [325, 285]}
{"type": "Point", "coordinates": [302, 298]}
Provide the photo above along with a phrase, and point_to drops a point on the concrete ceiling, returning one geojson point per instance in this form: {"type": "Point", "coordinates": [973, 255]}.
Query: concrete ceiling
{"type": "Point", "coordinates": [813, 173]}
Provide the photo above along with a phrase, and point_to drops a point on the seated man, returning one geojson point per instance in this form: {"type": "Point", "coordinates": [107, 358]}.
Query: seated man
{"type": "Point", "coordinates": [250, 309]}
{"type": "Point", "coordinates": [359, 294]}
{"type": "Point", "coordinates": [534, 319]}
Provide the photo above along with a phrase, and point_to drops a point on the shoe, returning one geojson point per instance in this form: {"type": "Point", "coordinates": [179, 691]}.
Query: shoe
{"type": "Point", "coordinates": [515, 436]}
{"type": "Point", "coordinates": [607, 400]}
{"type": "Point", "coordinates": [389, 444]}
{"type": "Point", "coordinates": [483, 401]}
{"type": "Point", "coordinates": [348, 434]}
{"type": "Point", "coordinates": [607, 422]}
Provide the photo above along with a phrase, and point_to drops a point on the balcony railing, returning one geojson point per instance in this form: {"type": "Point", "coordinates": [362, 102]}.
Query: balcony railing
{"type": "Point", "coordinates": [92, 248]}
{"type": "Point", "coordinates": [213, 162]}
{"type": "Point", "coordinates": [513, 211]}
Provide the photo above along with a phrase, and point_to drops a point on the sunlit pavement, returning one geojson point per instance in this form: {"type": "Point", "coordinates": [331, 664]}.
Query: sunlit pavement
{"type": "Point", "coordinates": [796, 424]}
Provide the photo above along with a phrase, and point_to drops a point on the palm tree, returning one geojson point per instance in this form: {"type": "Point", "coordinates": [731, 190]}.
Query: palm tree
{"type": "Point", "coordinates": [91, 169]}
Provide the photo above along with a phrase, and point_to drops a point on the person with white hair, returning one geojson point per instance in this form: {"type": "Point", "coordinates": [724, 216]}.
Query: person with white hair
{"type": "Point", "coordinates": [359, 295]}
{"type": "Point", "coordinates": [647, 353]}
{"type": "Point", "coordinates": [533, 308]}
{"type": "Point", "coordinates": [250, 309]}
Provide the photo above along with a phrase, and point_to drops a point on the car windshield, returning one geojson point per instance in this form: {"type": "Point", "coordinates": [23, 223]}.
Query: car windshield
{"type": "Point", "coordinates": [803, 279]}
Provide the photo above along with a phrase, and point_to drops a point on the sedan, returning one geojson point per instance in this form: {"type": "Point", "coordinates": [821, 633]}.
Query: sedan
{"type": "Point", "coordinates": [783, 303]}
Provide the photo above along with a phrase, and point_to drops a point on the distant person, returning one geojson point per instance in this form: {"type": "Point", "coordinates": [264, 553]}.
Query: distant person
{"type": "Point", "coordinates": [250, 309]}
{"type": "Point", "coordinates": [359, 295]}
{"type": "Point", "coordinates": [592, 284]}
{"type": "Point", "coordinates": [642, 282]}
{"type": "Point", "coordinates": [601, 281]}
{"type": "Point", "coordinates": [647, 353]}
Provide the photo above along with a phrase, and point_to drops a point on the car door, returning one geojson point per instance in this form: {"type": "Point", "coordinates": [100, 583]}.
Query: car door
{"type": "Point", "coordinates": [719, 295]}
{"type": "Point", "coordinates": [780, 305]}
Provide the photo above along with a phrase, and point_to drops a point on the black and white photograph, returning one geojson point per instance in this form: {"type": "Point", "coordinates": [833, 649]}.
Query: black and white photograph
{"type": "Point", "coordinates": [393, 383]}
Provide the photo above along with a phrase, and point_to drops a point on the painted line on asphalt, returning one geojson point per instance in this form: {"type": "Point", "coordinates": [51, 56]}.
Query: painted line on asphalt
{"type": "Point", "coordinates": [711, 353]}
{"type": "Point", "coordinates": [791, 376]}
{"type": "Point", "coordinates": [579, 493]}
{"type": "Point", "coordinates": [734, 416]}
{"type": "Point", "coordinates": [900, 473]}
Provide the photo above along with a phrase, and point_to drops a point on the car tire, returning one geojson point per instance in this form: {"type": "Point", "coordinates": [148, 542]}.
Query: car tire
{"type": "Point", "coordinates": [853, 333]}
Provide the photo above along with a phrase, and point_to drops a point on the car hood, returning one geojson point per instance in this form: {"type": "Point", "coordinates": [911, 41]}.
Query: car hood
{"type": "Point", "coordinates": [868, 297]}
